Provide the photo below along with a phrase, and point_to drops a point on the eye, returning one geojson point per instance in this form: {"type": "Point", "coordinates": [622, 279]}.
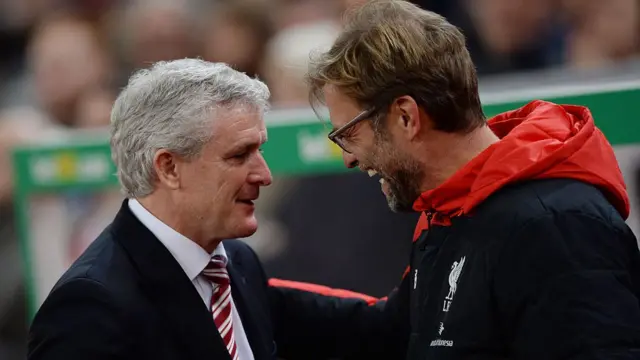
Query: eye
{"type": "Point", "coordinates": [241, 156]}
{"type": "Point", "coordinates": [348, 133]}
{"type": "Point", "coordinates": [244, 155]}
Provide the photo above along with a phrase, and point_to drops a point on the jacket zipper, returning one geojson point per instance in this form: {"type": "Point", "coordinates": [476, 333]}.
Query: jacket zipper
{"type": "Point", "coordinates": [426, 240]}
{"type": "Point", "coordinates": [416, 300]}
{"type": "Point", "coordinates": [415, 264]}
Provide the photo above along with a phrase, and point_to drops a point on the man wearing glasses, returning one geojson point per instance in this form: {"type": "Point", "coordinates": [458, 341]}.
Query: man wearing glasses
{"type": "Point", "coordinates": [522, 250]}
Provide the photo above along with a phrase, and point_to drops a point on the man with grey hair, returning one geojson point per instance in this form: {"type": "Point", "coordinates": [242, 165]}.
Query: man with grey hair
{"type": "Point", "coordinates": [163, 280]}
{"type": "Point", "coordinates": [186, 139]}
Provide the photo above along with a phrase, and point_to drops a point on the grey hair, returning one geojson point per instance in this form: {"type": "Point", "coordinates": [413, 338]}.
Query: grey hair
{"type": "Point", "coordinates": [171, 106]}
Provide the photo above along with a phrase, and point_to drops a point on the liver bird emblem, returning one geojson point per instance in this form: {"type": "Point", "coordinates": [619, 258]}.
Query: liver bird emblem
{"type": "Point", "coordinates": [456, 269]}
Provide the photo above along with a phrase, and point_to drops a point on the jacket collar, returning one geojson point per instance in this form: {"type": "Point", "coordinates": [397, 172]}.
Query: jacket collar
{"type": "Point", "coordinates": [169, 288]}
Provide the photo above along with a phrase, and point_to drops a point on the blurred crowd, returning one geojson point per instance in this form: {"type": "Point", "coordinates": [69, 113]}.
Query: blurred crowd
{"type": "Point", "coordinates": [66, 59]}
{"type": "Point", "coordinates": [63, 62]}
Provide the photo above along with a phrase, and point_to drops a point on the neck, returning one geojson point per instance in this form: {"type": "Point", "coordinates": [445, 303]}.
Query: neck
{"type": "Point", "coordinates": [466, 146]}
{"type": "Point", "coordinates": [174, 218]}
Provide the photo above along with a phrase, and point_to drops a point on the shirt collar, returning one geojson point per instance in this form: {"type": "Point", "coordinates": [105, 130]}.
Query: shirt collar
{"type": "Point", "coordinates": [219, 250]}
{"type": "Point", "coordinates": [191, 257]}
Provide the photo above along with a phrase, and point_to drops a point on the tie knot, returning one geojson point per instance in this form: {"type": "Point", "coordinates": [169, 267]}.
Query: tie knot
{"type": "Point", "coordinates": [216, 271]}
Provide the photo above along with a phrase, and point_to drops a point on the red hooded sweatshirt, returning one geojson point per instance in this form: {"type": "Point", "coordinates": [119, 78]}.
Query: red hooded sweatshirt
{"type": "Point", "coordinates": [541, 140]}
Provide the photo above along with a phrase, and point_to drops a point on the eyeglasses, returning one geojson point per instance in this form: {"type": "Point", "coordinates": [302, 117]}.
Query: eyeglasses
{"type": "Point", "coordinates": [336, 135]}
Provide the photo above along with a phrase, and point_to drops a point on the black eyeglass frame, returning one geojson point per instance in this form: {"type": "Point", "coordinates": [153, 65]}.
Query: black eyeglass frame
{"type": "Point", "coordinates": [335, 134]}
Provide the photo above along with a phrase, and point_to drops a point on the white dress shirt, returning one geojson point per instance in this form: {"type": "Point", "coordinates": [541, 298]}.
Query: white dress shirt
{"type": "Point", "coordinates": [193, 259]}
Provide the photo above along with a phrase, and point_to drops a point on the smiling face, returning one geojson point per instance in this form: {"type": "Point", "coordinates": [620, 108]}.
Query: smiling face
{"type": "Point", "coordinates": [398, 173]}
{"type": "Point", "coordinates": [376, 151]}
{"type": "Point", "coordinates": [213, 194]}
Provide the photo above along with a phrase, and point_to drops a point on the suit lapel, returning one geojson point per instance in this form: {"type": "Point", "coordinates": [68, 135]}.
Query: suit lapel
{"type": "Point", "coordinates": [169, 288]}
{"type": "Point", "coordinates": [253, 320]}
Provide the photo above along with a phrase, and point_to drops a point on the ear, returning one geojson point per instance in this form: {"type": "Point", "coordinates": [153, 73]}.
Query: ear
{"type": "Point", "coordinates": [407, 116]}
{"type": "Point", "coordinates": [165, 164]}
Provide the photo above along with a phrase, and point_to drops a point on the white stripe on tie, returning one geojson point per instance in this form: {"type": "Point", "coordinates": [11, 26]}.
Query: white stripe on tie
{"type": "Point", "coordinates": [220, 305]}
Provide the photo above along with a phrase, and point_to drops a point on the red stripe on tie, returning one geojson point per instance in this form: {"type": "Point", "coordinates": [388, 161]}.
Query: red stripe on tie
{"type": "Point", "coordinates": [216, 273]}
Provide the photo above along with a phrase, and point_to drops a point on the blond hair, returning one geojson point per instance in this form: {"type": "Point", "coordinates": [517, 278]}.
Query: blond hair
{"type": "Point", "coordinates": [391, 48]}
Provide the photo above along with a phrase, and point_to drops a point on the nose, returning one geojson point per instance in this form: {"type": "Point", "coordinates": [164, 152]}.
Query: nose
{"type": "Point", "coordinates": [350, 161]}
{"type": "Point", "coordinates": [261, 174]}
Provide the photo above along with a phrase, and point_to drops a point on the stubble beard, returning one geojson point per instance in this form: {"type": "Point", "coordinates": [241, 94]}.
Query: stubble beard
{"type": "Point", "coordinates": [402, 174]}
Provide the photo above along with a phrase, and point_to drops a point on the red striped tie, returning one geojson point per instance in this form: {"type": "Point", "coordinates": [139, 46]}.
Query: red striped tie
{"type": "Point", "coordinates": [216, 272]}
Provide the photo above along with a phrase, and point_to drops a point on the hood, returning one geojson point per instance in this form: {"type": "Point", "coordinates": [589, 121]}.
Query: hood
{"type": "Point", "coordinates": [541, 140]}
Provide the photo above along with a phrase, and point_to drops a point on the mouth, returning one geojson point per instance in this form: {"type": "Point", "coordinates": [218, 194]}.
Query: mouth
{"type": "Point", "coordinates": [246, 202]}
{"type": "Point", "coordinates": [384, 185]}
{"type": "Point", "coordinates": [373, 173]}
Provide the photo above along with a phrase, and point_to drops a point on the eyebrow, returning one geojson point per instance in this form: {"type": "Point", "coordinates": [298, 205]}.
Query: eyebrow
{"type": "Point", "coordinates": [249, 144]}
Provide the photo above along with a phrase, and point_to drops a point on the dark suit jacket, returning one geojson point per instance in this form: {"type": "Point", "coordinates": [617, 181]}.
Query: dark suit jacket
{"type": "Point", "coordinates": [126, 297]}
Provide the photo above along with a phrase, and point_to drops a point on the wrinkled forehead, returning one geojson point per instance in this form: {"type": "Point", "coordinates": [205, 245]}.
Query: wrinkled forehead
{"type": "Point", "coordinates": [241, 123]}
